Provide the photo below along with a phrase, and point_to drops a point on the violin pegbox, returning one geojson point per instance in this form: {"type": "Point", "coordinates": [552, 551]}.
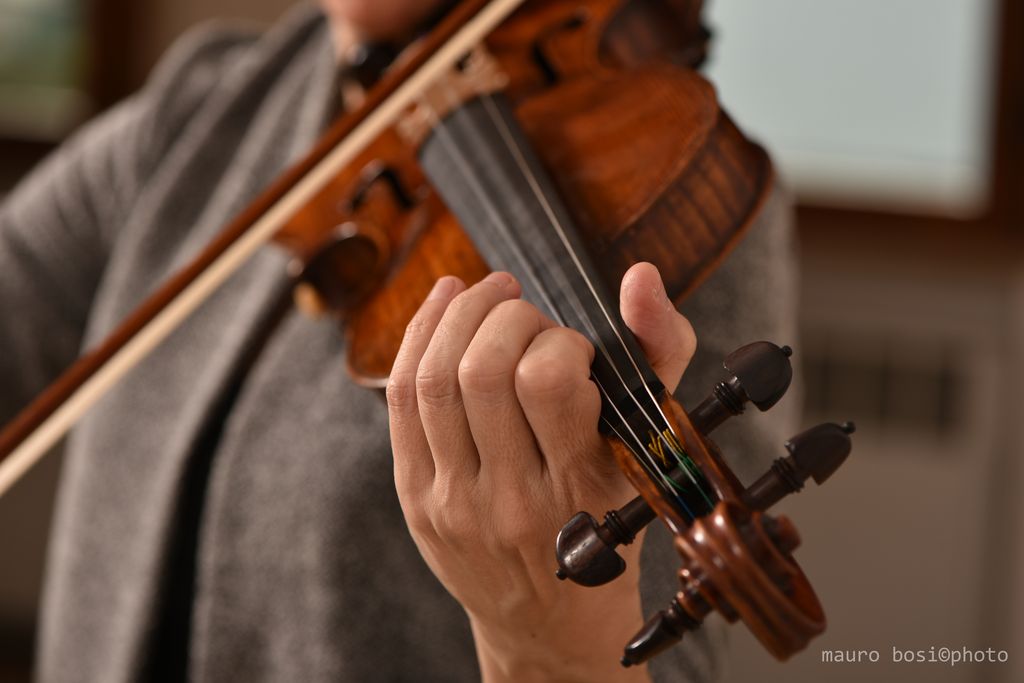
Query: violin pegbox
{"type": "Point", "coordinates": [737, 559]}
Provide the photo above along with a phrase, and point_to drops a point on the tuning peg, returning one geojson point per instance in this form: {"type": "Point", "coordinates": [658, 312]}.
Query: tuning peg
{"type": "Point", "coordinates": [586, 551]}
{"type": "Point", "coordinates": [761, 374]}
{"type": "Point", "coordinates": [660, 632]}
{"type": "Point", "coordinates": [814, 454]}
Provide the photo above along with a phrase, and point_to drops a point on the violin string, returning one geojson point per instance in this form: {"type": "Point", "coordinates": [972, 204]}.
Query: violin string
{"type": "Point", "coordinates": [658, 433]}
{"type": "Point", "coordinates": [529, 268]}
{"type": "Point", "coordinates": [640, 450]}
{"type": "Point", "coordinates": [667, 483]}
{"type": "Point", "coordinates": [462, 164]}
{"type": "Point", "coordinates": [513, 146]}
{"type": "Point", "coordinates": [681, 458]}
{"type": "Point", "coordinates": [492, 212]}
{"type": "Point", "coordinates": [495, 216]}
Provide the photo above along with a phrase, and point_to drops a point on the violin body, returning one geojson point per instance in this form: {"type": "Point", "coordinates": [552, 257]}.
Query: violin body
{"type": "Point", "coordinates": [651, 166]}
{"type": "Point", "coordinates": [579, 131]}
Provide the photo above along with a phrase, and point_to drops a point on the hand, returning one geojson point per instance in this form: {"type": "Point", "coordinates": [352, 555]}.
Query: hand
{"type": "Point", "coordinates": [494, 429]}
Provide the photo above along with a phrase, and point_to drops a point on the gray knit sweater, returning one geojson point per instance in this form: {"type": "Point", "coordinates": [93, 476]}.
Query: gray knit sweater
{"type": "Point", "coordinates": [228, 512]}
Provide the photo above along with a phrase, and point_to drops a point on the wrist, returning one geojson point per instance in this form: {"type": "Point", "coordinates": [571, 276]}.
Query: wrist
{"type": "Point", "coordinates": [586, 647]}
{"type": "Point", "coordinates": [544, 662]}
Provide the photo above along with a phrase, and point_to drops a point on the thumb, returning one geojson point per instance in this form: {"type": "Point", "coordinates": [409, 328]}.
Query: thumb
{"type": "Point", "coordinates": [666, 336]}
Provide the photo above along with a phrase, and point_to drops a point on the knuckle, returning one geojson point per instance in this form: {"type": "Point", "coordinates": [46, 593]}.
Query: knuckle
{"type": "Point", "coordinates": [418, 521]}
{"type": "Point", "coordinates": [436, 386]}
{"type": "Point", "coordinates": [454, 526]}
{"type": "Point", "coordinates": [400, 392]}
{"type": "Point", "coordinates": [579, 352]}
{"type": "Point", "coordinates": [556, 373]}
{"type": "Point", "coordinates": [455, 523]}
{"type": "Point", "coordinates": [417, 518]}
{"type": "Point", "coordinates": [478, 374]}
{"type": "Point", "coordinates": [454, 517]}
{"type": "Point", "coordinates": [576, 338]}
{"type": "Point", "coordinates": [448, 492]}
{"type": "Point", "coordinates": [513, 312]}
{"type": "Point", "coordinates": [415, 326]}
{"type": "Point", "coordinates": [487, 367]}
{"type": "Point", "coordinates": [462, 303]}
{"type": "Point", "coordinates": [543, 377]}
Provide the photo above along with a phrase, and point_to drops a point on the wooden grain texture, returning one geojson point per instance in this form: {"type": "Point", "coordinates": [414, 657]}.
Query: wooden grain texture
{"type": "Point", "coordinates": [649, 164]}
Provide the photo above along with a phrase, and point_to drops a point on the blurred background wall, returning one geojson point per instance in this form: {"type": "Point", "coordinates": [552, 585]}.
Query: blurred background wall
{"type": "Point", "coordinates": [897, 126]}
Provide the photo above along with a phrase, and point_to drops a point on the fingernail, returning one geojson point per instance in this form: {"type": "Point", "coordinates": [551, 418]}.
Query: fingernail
{"type": "Point", "coordinates": [499, 279]}
{"type": "Point", "coordinates": [443, 288]}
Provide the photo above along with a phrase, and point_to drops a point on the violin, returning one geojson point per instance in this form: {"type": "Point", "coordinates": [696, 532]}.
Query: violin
{"type": "Point", "coordinates": [561, 141]}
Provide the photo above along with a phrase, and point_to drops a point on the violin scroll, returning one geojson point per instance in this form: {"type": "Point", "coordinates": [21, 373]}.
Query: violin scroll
{"type": "Point", "coordinates": [737, 559]}
{"type": "Point", "coordinates": [737, 562]}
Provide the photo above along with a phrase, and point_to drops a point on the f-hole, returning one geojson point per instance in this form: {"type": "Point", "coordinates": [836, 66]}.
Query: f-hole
{"type": "Point", "coordinates": [370, 176]}
{"type": "Point", "coordinates": [537, 50]}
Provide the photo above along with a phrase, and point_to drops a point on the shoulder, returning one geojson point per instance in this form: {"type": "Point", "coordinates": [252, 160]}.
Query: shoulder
{"type": "Point", "coordinates": [201, 91]}
{"type": "Point", "coordinates": [189, 70]}
{"type": "Point", "coordinates": [221, 61]}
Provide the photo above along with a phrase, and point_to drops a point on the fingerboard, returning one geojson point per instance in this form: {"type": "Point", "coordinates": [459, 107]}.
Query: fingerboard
{"type": "Point", "coordinates": [482, 165]}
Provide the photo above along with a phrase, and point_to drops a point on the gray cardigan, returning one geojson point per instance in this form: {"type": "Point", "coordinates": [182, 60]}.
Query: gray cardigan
{"type": "Point", "coordinates": [226, 514]}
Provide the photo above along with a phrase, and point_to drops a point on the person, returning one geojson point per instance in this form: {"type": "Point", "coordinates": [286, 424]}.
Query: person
{"type": "Point", "coordinates": [237, 509]}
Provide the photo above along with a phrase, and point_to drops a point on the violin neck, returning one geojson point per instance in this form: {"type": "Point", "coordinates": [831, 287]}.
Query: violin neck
{"type": "Point", "coordinates": [511, 209]}
{"type": "Point", "coordinates": [508, 204]}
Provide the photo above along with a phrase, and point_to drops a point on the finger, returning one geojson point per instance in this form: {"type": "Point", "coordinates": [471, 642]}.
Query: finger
{"type": "Point", "coordinates": [560, 402]}
{"type": "Point", "coordinates": [666, 336]}
{"type": "Point", "coordinates": [503, 438]}
{"type": "Point", "coordinates": [437, 379]}
{"type": "Point", "coordinates": [413, 464]}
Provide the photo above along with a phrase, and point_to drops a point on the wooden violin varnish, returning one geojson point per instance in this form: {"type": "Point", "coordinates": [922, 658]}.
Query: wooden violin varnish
{"type": "Point", "coordinates": [561, 141]}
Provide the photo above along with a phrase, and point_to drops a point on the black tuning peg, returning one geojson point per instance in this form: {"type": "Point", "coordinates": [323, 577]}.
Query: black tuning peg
{"type": "Point", "coordinates": [814, 454]}
{"type": "Point", "coordinates": [660, 632]}
{"type": "Point", "coordinates": [761, 373]}
{"type": "Point", "coordinates": [586, 550]}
